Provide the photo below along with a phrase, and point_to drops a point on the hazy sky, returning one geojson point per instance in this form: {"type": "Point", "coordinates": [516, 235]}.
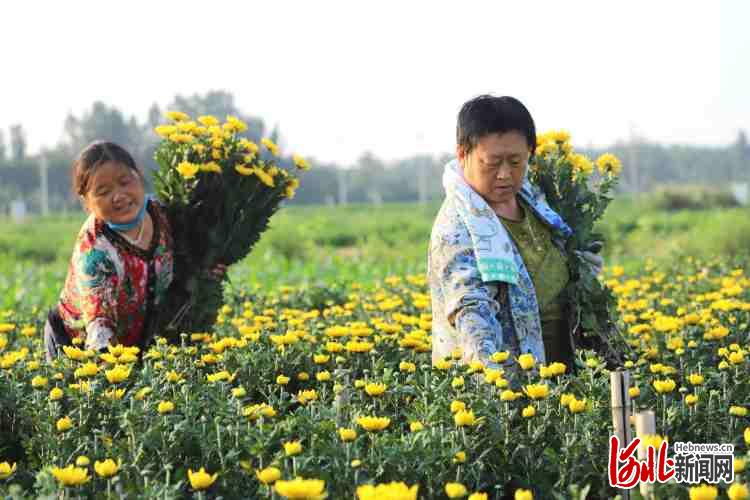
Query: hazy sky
{"type": "Point", "coordinates": [340, 78]}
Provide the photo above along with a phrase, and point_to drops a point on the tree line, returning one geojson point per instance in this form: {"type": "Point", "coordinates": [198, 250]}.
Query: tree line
{"type": "Point", "coordinates": [646, 165]}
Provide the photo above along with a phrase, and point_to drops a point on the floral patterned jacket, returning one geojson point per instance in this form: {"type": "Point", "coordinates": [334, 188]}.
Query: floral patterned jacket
{"type": "Point", "coordinates": [114, 287]}
{"type": "Point", "coordinates": [477, 317]}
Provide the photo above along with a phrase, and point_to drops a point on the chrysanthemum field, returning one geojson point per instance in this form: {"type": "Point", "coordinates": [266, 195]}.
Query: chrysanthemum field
{"type": "Point", "coordinates": [306, 392]}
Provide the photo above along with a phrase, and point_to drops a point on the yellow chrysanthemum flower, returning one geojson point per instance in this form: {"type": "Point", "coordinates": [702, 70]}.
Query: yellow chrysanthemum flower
{"type": "Point", "coordinates": [654, 440]}
{"type": "Point", "coordinates": [738, 491]}
{"type": "Point", "coordinates": [177, 116]}
{"type": "Point", "coordinates": [560, 136]}
{"type": "Point", "coordinates": [347, 435]}
{"type": "Point", "coordinates": [181, 138]}
{"type": "Point", "coordinates": [300, 162]}
{"type": "Point", "coordinates": [464, 418]}
{"type": "Point", "coordinates": [6, 470]}
{"type": "Point", "coordinates": [738, 411]}
{"type": "Point", "coordinates": [187, 170]}
{"type": "Point", "coordinates": [526, 361]}
{"type": "Point", "coordinates": [264, 177]}
{"type": "Point", "coordinates": [201, 480]}
{"type": "Point", "coordinates": [457, 406]}
{"type": "Point", "coordinates": [664, 386]}
{"type": "Point", "coordinates": [509, 395]}
{"type": "Point", "coordinates": [536, 391]}
{"type": "Point", "coordinates": [39, 382]}
{"type": "Point", "coordinates": [291, 188]}
{"type": "Point", "coordinates": [292, 448]}
{"type": "Point", "coordinates": [234, 124]}
{"type": "Point", "coordinates": [522, 494]}
{"type": "Point", "coordinates": [609, 164]}
{"type": "Point", "coordinates": [114, 394]}
{"type": "Point", "coordinates": [165, 407]}
{"type": "Point", "coordinates": [165, 130]}
{"type": "Point", "coordinates": [455, 490]}
{"type": "Point", "coordinates": [141, 394]}
{"type": "Point", "coordinates": [107, 468]}
{"type": "Point", "coordinates": [301, 488]}
{"type": "Point", "coordinates": [208, 120]}
{"type": "Point", "coordinates": [269, 475]}
{"type": "Point", "coordinates": [64, 424]}
{"type": "Point", "coordinates": [577, 405]}
{"type": "Point", "coordinates": [306, 396]}
{"type": "Point", "coordinates": [270, 145]}
{"type": "Point", "coordinates": [211, 166]}
{"type": "Point", "coordinates": [71, 475]}
{"type": "Point", "coordinates": [117, 374]}
{"type": "Point", "coordinates": [478, 496]}
{"type": "Point", "coordinates": [373, 424]}
{"type": "Point", "coordinates": [86, 370]}
{"type": "Point", "coordinates": [500, 356]}
{"type": "Point", "coordinates": [703, 492]}
{"type": "Point", "coordinates": [391, 491]}
{"type": "Point", "coordinates": [55, 394]}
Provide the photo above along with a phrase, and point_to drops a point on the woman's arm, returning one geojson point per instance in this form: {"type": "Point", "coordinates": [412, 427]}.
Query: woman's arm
{"type": "Point", "coordinates": [97, 281]}
{"type": "Point", "coordinates": [471, 307]}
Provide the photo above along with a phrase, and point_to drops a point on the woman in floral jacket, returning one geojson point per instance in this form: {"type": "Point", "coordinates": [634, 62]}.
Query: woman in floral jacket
{"type": "Point", "coordinates": [496, 264]}
{"type": "Point", "coordinates": [122, 261]}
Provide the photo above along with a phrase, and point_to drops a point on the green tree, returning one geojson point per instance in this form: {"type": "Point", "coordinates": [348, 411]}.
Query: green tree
{"type": "Point", "coordinates": [17, 143]}
{"type": "Point", "coordinates": [102, 122]}
{"type": "Point", "coordinates": [220, 104]}
{"type": "Point", "coordinates": [3, 148]}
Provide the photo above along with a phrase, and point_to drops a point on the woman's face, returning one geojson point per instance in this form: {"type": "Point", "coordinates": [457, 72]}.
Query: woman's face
{"type": "Point", "coordinates": [115, 194]}
{"type": "Point", "coordinates": [495, 168]}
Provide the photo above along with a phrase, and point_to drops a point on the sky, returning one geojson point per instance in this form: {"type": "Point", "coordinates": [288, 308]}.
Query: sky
{"type": "Point", "coordinates": [342, 78]}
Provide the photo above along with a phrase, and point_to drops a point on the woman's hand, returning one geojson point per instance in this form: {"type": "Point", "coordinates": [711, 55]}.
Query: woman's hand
{"type": "Point", "coordinates": [218, 272]}
{"type": "Point", "coordinates": [594, 261]}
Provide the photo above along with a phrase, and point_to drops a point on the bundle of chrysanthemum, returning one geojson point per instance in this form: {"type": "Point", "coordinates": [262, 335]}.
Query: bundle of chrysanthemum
{"type": "Point", "coordinates": [220, 190]}
{"type": "Point", "coordinates": [580, 194]}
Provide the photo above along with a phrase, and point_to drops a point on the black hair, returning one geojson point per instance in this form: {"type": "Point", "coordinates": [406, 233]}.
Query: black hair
{"type": "Point", "coordinates": [94, 155]}
{"type": "Point", "coordinates": [487, 114]}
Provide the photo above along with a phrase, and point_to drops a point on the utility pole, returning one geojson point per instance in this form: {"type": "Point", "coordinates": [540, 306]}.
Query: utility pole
{"type": "Point", "coordinates": [343, 188]}
{"type": "Point", "coordinates": [44, 189]}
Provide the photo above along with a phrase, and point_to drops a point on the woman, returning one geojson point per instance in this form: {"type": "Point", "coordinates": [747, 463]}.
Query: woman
{"type": "Point", "coordinates": [496, 263]}
{"type": "Point", "coordinates": [122, 262]}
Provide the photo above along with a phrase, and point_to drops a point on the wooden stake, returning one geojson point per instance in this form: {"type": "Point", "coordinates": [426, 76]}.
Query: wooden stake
{"type": "Point", "coordinates": [619, 384]}
{"type": "Point", "coordinates": [645, 425]}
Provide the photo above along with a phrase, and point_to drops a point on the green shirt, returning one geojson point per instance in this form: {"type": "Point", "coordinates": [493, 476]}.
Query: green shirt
{"type": "Point", "coordinates": [548, 270]}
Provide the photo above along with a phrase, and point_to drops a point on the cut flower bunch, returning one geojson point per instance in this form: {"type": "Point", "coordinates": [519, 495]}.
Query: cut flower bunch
{"type": "Point", "coordinates": [220, 189]}
{"type": "Point", "coordinates": [578, 189]}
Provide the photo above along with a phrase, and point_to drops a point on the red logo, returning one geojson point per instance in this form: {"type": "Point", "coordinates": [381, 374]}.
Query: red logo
{"type": "Point", "coordinates": [625, 471]}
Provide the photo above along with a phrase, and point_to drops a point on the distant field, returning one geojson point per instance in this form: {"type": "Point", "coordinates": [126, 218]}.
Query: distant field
{"type": "Point", "coordinates": [365, 242]}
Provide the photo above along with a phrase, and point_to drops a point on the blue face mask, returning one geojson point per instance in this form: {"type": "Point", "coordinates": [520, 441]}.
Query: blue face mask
{"type": "Point", "coordinates": [127, 226]}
